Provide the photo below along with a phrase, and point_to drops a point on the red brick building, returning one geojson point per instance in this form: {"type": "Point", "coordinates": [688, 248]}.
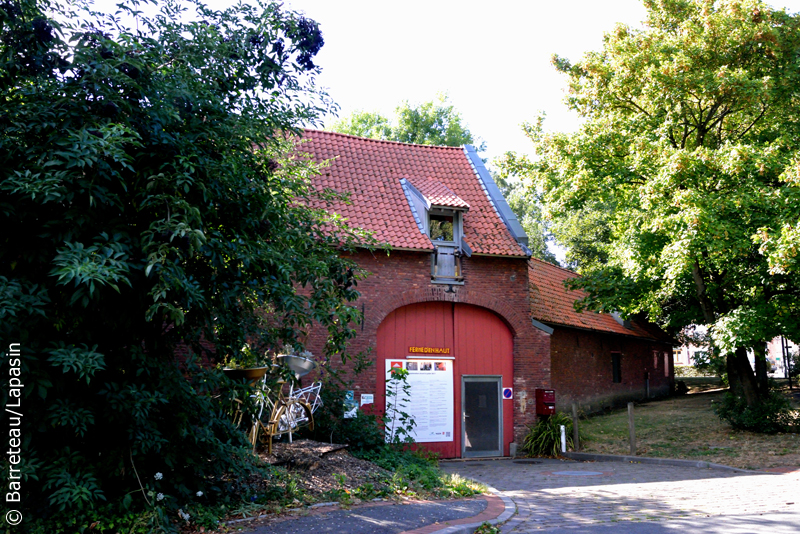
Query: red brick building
{"type": "Point", "coordinates": [596, 360]}
{"type": "Point", "coordinates": [451, 302]}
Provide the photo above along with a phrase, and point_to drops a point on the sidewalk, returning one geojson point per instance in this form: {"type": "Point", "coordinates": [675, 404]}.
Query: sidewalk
{"type": "Point", "coordinates": [412, 517]}
{"type": "Point", "coordinates": [603, 497]}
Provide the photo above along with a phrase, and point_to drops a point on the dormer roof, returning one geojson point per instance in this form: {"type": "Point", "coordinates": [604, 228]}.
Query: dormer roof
{"type": "Point", "coordinates": [437, 194]}
{"type": "Point", "coordinates": [371, 172]}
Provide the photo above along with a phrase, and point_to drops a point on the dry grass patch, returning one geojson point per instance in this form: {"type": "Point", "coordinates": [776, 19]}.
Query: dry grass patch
{"type": "Point", "coordinates": [687, 427]}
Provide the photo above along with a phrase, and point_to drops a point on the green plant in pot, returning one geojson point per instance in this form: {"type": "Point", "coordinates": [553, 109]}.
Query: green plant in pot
{"type": "Point", "coordinates": [247, 364]}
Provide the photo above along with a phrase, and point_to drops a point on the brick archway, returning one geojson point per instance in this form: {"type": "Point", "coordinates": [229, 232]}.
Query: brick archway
{"type": "Point", "coordinates": [390, 302]}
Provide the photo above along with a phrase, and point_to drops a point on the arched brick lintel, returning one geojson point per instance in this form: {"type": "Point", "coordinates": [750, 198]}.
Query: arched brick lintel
{"type": "Point", "coordinates": [390, 302]}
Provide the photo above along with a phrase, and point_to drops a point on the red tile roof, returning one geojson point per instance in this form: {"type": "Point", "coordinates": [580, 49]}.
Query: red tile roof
{"type": "Point", "coordinates": [438, 194]}
{"type": "Point", "coordinates": [552, 303]}
{"type": "Point", "coordinates": [370, 170]}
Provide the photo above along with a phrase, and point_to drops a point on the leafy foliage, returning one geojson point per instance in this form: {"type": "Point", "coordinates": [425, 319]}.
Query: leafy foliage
{"type": "Point", "coordinates": [772, 415]}
{"type": "Point", "coordinates": [517, 188]}
{"type": "Point", "coordinates": [685, 164]}
{"type": "Point", "coordinates": [544, 438]}
{"type": "Point", "coordinates": [153, 223]}
{"type": "Point", "coordinates": [431, 123]}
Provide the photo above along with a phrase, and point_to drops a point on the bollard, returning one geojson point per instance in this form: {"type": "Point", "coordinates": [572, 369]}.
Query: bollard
{"type": "Point", "coordinates": [563, 439]}
{"type": "Point", "coordinates": [632, 430]}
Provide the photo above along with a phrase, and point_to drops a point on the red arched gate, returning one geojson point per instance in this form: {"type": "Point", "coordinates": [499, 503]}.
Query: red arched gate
{"type": "Point", "coordinates": [460, 359]}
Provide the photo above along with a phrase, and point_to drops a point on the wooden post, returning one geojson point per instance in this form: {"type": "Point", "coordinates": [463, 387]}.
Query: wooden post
{"type": "Point", "coordinates": [576, 440]}
{"type": "Point", "coordinates": [632, 429]}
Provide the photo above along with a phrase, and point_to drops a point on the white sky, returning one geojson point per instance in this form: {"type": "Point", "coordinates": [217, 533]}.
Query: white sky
{"type": "Point", "coordinates": [492, 58]}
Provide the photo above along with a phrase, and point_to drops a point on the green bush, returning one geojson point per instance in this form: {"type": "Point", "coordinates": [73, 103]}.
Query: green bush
{"type": "Point", "coordinates": [772, 415]}
{"type": "Point", "coordinates": [544, 438]}
{"type": "Point", "coordinates": [149, 216]}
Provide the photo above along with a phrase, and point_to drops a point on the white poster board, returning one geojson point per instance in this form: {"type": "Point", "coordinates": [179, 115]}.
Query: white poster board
{"type": "Point", "coordinates": [430, 399]}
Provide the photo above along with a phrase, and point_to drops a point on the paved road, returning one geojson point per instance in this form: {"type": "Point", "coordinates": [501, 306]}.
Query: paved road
{"type": "Point", "coordinates": [606, 497]}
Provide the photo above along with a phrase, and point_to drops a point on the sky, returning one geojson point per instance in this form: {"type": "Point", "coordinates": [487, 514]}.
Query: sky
{"type": "Point", "coordinates": [491, 58]}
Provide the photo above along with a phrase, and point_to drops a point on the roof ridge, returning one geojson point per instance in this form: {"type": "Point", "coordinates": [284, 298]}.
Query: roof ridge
{"type": "Point", "coordinates": [328, 132]}
{"type": "Point", "coordinates": [556, 266]}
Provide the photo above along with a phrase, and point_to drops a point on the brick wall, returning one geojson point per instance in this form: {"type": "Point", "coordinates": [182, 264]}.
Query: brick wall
{"type": "Point", "coordinates": [582, 369]}
{"type": "Point", "coordinates": [499, 284]}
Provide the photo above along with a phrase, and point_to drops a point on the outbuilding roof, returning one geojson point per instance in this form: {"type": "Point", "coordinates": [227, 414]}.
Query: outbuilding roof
{"type": "Point", "coordinates": [370, 171]}
{"type": "Point", "coordinates": [552, 304]}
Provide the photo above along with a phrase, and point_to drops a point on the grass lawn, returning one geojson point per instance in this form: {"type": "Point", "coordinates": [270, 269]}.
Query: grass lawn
{"type": "Point", "coordinates": [687, 427]}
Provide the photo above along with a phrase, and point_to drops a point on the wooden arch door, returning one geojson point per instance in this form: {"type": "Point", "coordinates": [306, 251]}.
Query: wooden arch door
{"type": "Point", "coordinates": [481, 347]}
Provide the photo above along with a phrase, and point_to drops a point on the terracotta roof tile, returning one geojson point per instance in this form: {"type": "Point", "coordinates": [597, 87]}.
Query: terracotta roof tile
{"type": "Point", "coordinates": [437, 193]}
{"type": "Point", "coordinates": [552, 303]}
{"type": "Point", "coordinates": [371, 171]}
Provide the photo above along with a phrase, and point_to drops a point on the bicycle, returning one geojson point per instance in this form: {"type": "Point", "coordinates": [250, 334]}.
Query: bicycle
{"type": "Point", "coordinates": [285, 415]}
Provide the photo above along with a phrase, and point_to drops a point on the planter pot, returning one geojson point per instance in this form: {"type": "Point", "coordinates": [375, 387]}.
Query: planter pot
{"type": "Point", "coordinates": [299, 364]}
{"type": "Point", "coordinates": [251, 374]}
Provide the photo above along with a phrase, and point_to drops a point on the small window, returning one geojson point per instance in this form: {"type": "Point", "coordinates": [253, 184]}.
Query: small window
{"type": "Point", "coordinates": [616, 367]}
{"type": "Point", "coordinates": [666, 364]}
{"type": "Point", "coordinates": [655, 359]}
{"type": "Point", "coordinates": [441, 228]}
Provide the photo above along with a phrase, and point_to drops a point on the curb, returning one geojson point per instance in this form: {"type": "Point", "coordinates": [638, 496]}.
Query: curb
{"type": "Point", "coordinates": [509, 509]}
{"type": "Point", "coordinates": [587, 456]}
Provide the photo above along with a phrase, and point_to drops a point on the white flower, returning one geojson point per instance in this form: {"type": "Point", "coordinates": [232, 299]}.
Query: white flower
{"type": "Point", "coordinates": [160, 497]}
{"type": "Point", "coordinates": [199, 494]}
{"type": "Point", "coordinates": [159, 476]}
{"type": "Point", "coordinates": [184, 515]}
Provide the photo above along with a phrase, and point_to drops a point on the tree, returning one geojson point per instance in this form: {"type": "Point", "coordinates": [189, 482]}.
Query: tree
{"type": "Point", "coordinates": [151, 221]}
{"type": "Point", "coordinates": [430, 123]}
{"type": "Point", "coordinates": [688, 152]}
{"type": "Point", "coordinates": [511, 177]}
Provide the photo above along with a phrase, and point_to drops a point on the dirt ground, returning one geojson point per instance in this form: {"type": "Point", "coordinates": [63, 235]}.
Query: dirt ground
{"type": "Point", "coordinates": [323, 468]}
{"type": "Point", "coordinates": [686, 427]}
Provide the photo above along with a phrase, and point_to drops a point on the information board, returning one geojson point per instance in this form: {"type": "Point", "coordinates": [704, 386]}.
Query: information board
{"type": "Point", "coordinates": [429, 401]}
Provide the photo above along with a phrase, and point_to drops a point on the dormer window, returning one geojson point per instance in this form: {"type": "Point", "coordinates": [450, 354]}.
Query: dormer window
{"type": "Point", "coordinates": [439, 213]}
{"type": "Point", "coordinates": [444, 229]}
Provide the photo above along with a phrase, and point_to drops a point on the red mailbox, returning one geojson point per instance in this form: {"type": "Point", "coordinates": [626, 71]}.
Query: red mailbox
{"type": "Point", "coordinates": [545, 402]}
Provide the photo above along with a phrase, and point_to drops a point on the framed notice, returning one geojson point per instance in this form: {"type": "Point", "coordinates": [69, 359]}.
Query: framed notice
{"type": "Point", "coordinates": [429, 401]}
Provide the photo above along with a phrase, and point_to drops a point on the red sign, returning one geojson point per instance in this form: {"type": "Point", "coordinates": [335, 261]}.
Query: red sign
{"type": "Point", "coordinates": [397, 365]}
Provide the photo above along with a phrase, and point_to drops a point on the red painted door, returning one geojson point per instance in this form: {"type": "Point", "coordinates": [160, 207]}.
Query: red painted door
{"type": "Point", "coordinates": [478, 339]}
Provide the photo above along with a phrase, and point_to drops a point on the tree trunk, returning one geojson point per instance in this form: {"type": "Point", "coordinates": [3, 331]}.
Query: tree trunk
{"type": "Point", "coordinates": [741, 377]}
{"type": "Point", "coordinates": [762, 380]}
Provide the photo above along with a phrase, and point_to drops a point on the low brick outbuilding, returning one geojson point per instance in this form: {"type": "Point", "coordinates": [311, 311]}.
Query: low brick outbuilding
{"type": "Point", "coordinates": [597, 360]}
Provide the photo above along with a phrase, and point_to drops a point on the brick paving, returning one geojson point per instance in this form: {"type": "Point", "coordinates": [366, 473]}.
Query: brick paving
{"type": "Point", "coordinates": [554, 495]}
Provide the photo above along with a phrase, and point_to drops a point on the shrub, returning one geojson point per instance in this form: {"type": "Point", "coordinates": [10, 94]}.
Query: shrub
{"type": "Point", "coordinates": [150, 213]}
{"type": "Point", "coordinates": [544, 439]}
{"type": "Point", "coordinates": [771, 415]}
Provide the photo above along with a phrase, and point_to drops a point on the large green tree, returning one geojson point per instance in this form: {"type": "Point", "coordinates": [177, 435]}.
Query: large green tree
{"type": "Point", "coordinates": [150, 221]}
{"type": "Point", "coordinates": [688, 155]}
{"type": "Point", "coordinates": [435, 122]}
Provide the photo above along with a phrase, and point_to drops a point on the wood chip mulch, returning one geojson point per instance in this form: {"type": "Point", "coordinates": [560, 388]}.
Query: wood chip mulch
{"type": "Point", "coordinates": [315, 465]}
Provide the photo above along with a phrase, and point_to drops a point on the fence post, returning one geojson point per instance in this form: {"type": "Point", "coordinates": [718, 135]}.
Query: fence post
{"type": "Point", "coordinates": [575, 436]}
{"type": "Point", "coordinates": [632, 429]}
